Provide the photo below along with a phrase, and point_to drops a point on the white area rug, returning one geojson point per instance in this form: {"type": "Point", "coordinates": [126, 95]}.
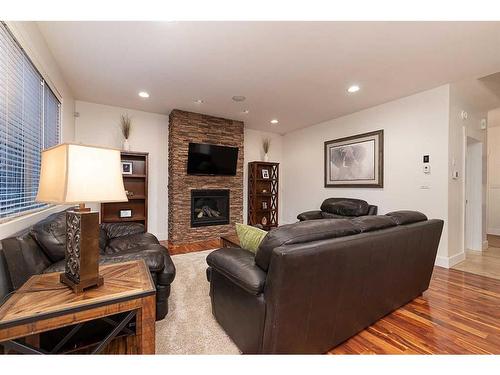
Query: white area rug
{"type": "Point", "coordinates": [189, 327]}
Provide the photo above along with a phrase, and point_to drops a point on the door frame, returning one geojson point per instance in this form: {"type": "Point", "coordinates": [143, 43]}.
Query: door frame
{"type": "Point", "coordinates": [473, 193]}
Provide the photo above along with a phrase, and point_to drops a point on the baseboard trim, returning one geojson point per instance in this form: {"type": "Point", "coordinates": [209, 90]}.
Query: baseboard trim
{"type": "Point", "coordinates": [494, 231]}
{"type": "Point", "coordinates": [448, 262]}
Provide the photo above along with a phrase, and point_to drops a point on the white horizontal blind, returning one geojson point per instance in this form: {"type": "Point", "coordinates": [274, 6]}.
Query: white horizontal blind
{"type": "Point", "coordinates": [51, 119]}
{"type": "Point", "coordinates": [29, 120]}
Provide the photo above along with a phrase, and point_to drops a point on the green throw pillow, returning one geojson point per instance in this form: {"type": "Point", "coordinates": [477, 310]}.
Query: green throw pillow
{"type": "Point", "coordinates": [250, 237]}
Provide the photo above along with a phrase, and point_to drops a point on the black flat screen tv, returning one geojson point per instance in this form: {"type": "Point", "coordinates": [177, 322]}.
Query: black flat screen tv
{"type": "Point", "coordinates": [206, 159]}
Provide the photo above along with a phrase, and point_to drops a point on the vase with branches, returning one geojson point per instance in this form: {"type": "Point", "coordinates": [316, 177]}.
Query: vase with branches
{"type": "Point", "coordinates": [266, 144]}
{"type": "Point", "coordinates": [126, 127]}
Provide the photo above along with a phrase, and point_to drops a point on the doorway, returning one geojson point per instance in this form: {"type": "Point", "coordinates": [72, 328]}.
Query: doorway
{"type": "Point", "coordinates": [474, 195]}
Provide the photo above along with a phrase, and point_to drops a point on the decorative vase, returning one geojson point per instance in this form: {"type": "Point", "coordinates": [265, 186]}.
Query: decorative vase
{"type": "Point", "coordinates": [126, 145]}
{"type": "Point", "coordinates": [266, 157]}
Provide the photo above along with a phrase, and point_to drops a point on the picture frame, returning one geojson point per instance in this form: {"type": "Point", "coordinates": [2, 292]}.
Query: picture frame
{"type": "Point", "coordinates": [125, 213]}
{"type": "Point", "coordinates": [355, 161]}
{"type": "Point", "coordinates": [127, 167]}
{"type": "Point", "coordinates": [265, 174]}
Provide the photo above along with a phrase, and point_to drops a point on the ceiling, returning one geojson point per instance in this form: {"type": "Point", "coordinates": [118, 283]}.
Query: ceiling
{"type": "Point", "coordinates": [297, 72]}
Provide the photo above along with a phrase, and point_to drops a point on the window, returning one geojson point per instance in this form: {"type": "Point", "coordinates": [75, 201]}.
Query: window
{"type": "Point", "coordinates": [29, 122]}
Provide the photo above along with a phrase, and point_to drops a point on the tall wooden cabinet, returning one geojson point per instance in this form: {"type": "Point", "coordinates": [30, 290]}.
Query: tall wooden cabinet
{"type": "Point", "coordinates": [135, 180]}
{"type": "Point", "coordinates": [263, 190]}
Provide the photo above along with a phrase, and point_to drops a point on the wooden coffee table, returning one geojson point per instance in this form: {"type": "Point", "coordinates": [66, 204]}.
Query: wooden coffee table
{"type": "Point", "coordinates": [44, 304]}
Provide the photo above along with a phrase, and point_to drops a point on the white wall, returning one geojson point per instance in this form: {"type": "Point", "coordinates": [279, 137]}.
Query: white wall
{"type": "Point", "coordinates": [98, 124]}
{"type": "Point", "coordinates": [413, 126]}
{"type": "Point", "coordinates": [254, 152]}
{"type": "Point", "coordinates": [32, 41]}
{"type": "Point", "coordinates": [461, 100]}
{"type": "Point", "coordinates": [493, 226]}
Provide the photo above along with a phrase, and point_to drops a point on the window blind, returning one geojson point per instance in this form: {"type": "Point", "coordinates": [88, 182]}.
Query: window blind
{"type": "Point", "coordinates": [29, 122]}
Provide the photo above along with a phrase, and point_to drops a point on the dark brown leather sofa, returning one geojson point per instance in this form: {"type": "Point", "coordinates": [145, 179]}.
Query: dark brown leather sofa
{"type": "Point", "coordinates": [339, 208]}
{"type": "Point", "coordinates": [40, 249]}
{"type": "Point", "coordinates": [314, 284]}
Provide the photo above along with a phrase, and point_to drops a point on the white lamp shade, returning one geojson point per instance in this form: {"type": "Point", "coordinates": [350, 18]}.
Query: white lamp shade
{"type": "Point", "coordinates": [73, 174]}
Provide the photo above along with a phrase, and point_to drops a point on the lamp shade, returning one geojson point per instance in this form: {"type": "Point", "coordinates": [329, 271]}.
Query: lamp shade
{"type": "Point", "coordinates": [73, 174]}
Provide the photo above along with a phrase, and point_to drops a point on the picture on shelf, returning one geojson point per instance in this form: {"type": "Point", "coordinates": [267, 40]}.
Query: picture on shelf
{"type": "Point", "coordinates": [127, 167]}
{"type": "Point", "coordinates": [125, 213]}
{"type": "Point", "coordinates": [264, 205]}
{"type": "Point", "coordinates": [265, 173]}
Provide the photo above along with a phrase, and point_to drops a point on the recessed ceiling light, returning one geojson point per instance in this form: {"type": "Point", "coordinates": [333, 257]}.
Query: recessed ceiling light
{"type": "Point", "coordinates": [352, 89]}
{"type": "Point", "coordinates": [199, 101]}
{"type": "Point", "coordinates": [143, 94]}
{"type": "Point", "coordinates": [239, 98]}
{"type": "Point", "coordinates": [245, 111]}
{"type": "Point", "coordinates": [274, 121]}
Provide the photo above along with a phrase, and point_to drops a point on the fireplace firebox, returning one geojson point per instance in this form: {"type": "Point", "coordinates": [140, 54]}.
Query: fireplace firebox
{"type": "Point", "coordinates": [209, 207]}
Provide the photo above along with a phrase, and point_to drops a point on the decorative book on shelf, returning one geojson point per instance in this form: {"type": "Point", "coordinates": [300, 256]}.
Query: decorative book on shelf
{"type": "Point", "coordinates": [263, 182]}
{"type": "Point", "coordinates": [135, 180]}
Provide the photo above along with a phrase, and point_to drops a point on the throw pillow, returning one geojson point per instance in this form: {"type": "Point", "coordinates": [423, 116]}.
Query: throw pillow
{"type": "Point", "coordinates": [250, 237]}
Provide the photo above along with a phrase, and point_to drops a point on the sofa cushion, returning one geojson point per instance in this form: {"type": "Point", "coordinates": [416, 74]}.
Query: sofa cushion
{"type": "Point", "coordinates": [250, 237]}
{"type": "Point", "coordinates": [406, 217]}
{"type": "Point", "coordinates": [133, 242]}
{"type": "Point", "coordinates": [345, 206]}
{"type": "Point", "coordinates": [371, 223]}
{"type": "Point", "coordinates": [50, 234]}
{"type": "Point", "coordinates": [327, 215]}
{"type": "Point", "coordinates": [24, 258]}
{"type": "Point", "coordinates": [114, 230]}
{"type": "Point", "coordinates": [304, 231]}
{"type": "Point", "coordinates": [153, 256]}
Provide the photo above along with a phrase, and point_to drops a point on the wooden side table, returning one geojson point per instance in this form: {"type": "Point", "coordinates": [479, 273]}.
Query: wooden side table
{"type": "Point", "coordinates": [44, 304]}
{"type": "Point", "coordinates": [230, 241]}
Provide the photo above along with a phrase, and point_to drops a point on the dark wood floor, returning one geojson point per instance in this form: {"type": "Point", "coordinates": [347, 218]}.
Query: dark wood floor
{"type": "Point", "coordinates": [192, 246]}
{"type": "Point", "coordinates": [458, 314]}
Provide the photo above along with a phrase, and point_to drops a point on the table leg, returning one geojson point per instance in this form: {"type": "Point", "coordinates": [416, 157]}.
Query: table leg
{"type": "Point", "coordinates": [145, 326]}
{"type": "Point", "coordinates": [33, 340]}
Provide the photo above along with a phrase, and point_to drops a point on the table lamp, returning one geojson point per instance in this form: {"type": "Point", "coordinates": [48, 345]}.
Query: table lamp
{"type": "Point", "coordinates": [76, 174]}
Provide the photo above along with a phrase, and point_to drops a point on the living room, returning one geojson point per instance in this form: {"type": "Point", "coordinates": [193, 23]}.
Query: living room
{"type": "Point", "coordinates": [241, 187]}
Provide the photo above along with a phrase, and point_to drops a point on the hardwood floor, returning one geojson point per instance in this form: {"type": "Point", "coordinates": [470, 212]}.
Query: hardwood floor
{"type": "Point", "coordinates": [192, 246]}
{"type": "Point", "coordinates": [485, 263]}
{"type": "Point", "coordinates": [458, 314]}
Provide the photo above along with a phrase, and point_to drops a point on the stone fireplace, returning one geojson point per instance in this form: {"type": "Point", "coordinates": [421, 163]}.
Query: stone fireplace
{"type": "Point", "coordinates": [209, 207]}
{"type": "Point", "coordinates": [218, 200]}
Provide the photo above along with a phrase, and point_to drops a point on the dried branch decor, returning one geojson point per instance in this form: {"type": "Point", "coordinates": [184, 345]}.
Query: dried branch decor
{"type": "Point", "coordinates": [266, 143]}
{"type": "Point", "coordinates": [126, 125]}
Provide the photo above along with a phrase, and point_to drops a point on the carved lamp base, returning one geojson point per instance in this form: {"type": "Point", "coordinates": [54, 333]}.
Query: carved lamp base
{"type": "Point", "coordinates": [80, 287]}
{"type": "Point", "coordinates": [82, 250]}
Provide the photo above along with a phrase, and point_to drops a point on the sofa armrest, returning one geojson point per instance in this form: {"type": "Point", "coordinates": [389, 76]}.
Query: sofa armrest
{"type": "Point", "coordinates": [310, 215]}
{"type": "Point", "coordinates": [238, 265]}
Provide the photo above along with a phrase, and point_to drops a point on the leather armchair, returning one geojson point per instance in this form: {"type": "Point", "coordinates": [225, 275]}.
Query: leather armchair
{"type": "Point", "coordinates": [314, 284]}
{"type": "Point", "coordinates": [339, 208]}
{"type": "Point", "coordinates": [40, 249]}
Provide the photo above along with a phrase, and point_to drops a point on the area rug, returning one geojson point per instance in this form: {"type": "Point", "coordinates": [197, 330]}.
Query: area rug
{"type": "Point", "coordinates": [189, 327]}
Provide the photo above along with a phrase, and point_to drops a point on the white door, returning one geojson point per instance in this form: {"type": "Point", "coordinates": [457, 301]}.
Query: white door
{"type": "Point", "coordinates": [473, 195]}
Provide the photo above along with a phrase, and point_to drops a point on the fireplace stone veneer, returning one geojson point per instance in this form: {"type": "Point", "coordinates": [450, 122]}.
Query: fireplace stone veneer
{"type": "Point", "coordinates": [186, 127]}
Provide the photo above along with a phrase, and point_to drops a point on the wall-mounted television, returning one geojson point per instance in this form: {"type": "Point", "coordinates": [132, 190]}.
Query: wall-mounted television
{"type": "Point", "coordinates": [206, 159]}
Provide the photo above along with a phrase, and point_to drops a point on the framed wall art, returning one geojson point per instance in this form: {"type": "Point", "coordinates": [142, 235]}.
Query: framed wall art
{"type": "Point", "coordinates": [356, 161]}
